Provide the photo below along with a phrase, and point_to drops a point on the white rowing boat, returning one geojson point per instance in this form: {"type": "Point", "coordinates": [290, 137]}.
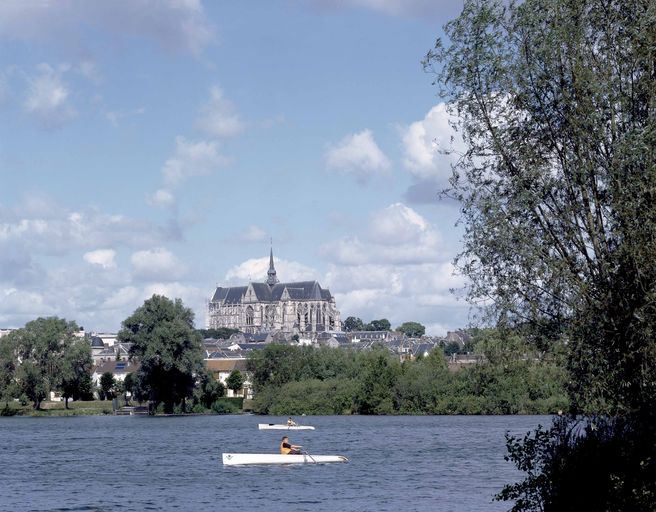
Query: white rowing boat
{"type": "Point", "coordinates": [240, 459]}
{"type": "Point", "coordinates": [274, 426]}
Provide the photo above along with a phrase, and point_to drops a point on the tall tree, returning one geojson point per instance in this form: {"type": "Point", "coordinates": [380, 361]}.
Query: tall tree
{"type": "Point", "coordinates": [8, 362]}
{"type": "Point", "coordinates": [235, 380]}
{"type": "Point", "coordinates": [75, 371]}
{"type": "Point", "coordinates": [40, 348]}
{"type": "Point", "coordinates": [107, 385]}
{"type": "Point", "coordinates": [412, 329]}
{"type": "Point", "coordinates": [208, 389]}
{"type": "Point", "coordinates": [379, 325]}
{"type": "Point", "coordinates": [353, 323]}
{"type": "Point", "coordinates": [556, 102]}
{"type": "Point", "coordinates": [168, 347]}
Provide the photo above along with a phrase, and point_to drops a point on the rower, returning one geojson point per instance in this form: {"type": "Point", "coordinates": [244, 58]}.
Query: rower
{"type": "Point", "coordinates": [291, 422]}
{"type": "Point", "coordinates": [289, 449]}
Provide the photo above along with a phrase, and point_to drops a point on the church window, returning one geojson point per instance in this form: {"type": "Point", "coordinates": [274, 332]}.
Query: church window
{"type": "Point", "coordinates": [249, 315]}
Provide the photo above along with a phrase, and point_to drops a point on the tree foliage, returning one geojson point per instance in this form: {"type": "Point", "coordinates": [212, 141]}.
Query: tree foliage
{"type": "Point", "coordinates": [208, 389]}
{"type": "Point", "coordinates": [556, 103]}
{"type": "Point", "coordinates": [75, 372]}
{"type": "Point", "coordinates": [219, 333]}
{"type": "Point", "coordinates": [338, 381]}
{"type": "Point", "coordinates": [167, 346]}
{"type": "Point", "coordinates": [235, 380]}
{"type": "Point", "coordinates": [107, 385]}
{"type": "Point", "coordinates": [43, 350]}
{"type": "Point", "coordinates": [412, 329]}
{"type": "Point", "coordinates": [8, 363]}
{"type": "Point", "coordinates": [378, 325]}
{"type": "Point", "coordinates": [352, 323]}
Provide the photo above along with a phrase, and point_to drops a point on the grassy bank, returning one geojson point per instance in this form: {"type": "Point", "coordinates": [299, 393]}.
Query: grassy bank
{"type": "Point", "coordinates": [93, 407]}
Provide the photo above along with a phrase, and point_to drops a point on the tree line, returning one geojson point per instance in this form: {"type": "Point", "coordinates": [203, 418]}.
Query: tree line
{"type": "Point", "coordinates": [50, 354]}
{"type": "Point", "coordinates": [411, 329]}
{"type": "Point", "coordinates": [516, 379]}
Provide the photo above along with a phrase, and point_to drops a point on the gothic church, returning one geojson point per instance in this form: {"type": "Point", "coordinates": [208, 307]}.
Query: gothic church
{"type": "Point", "coordinates": [274, 306]}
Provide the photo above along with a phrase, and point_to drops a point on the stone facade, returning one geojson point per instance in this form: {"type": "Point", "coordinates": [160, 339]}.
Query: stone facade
{"type": "Point", "coordinates": [274, 306]}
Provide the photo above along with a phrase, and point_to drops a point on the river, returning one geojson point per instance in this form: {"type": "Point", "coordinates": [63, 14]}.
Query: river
{"type": "Point", "coordinates": [397, 463]}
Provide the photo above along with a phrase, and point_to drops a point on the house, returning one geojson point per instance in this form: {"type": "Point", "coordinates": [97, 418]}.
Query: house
{"type": "Point", "coordinates": [4, 332]}
{"type": "Point", "coordinates": [333, 339]}
{"type": "Point", "coordinates": [119, 369]}
{"type": "Point", "coordinates": [221, 370]}
{"type": "Point", "coordinates": [101, 351]}
{"type": "Point", "coordinates": [109, 339]}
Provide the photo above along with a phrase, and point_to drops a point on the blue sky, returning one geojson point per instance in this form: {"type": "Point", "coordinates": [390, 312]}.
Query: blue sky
{"type": "Point", "coordinates": [156, 146]}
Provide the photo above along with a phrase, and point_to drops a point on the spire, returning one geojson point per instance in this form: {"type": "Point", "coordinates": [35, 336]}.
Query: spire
{"type": "Point", "coordinates": [271, 274]}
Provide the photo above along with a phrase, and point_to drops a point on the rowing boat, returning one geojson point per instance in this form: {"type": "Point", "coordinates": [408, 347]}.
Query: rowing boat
{"type": "Point", "coordinates": [239, 459]}
{"type": "Point", "coordinates": [274, 426]}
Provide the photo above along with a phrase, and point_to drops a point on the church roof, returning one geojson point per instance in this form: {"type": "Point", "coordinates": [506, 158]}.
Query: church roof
{"type": "Point", "coordinates": [301, 290]}
{"type": "Point", "coordinates": [230, 295]}
{"type": "Point", "coordinates": [272, 290]}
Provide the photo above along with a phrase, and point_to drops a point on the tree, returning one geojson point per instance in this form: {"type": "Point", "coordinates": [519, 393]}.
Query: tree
{"type": "Point", "coordinates": [208, 389]}
{"type": "Point", "coordinates": [556, 102]}
{"type": "Point", "coordinates": [412, 329]}
{"type": "Point", "coordinates": [380, 371]}
{"type": "Point", "coordinates": [220, 333]}
{"type": "Point", "coordinates": [168, 347]}
{"type": "Point", "coordinates": [235, 381]}
{"type": "Point", "coordinates": [451, 348]}
{"type": "Point", "coordinates": [7, 370]}
{"type": "Point", "coordinates": [40, 350]}
{"type": "Point", "coordinates": [378, 325]}
{"type": "Point", "coordinates": [353, 323]}
{"type": "Point", "coordinates": [75, 371]}
{"type": "Point", "coordinates": [107, 385]}
{"type": "Point", "coordinates": [132, 384]}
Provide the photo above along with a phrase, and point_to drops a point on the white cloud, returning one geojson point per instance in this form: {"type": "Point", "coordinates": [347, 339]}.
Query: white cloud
{"type": "Point", "coordinates": [161, 197]}
{"type": "Point", "coordinates": [396, 234]}
{"type": "Point", "coordinates": [397, 224]}
{"type": "Point", "coordinates": [177, 25]}
{"type": "Point", "coordinates": [20, 306]}
{"type": "Point", "coordinates": [256, 270]}
{"type": "Point", "coordinates": [157, 264]}
{"type": "Point", "coordinates": [217, 116]}
{"type": "Point", "coordinates": [48, 229]}
{"type": "Point", "coordinates": [396, 268]}
{"type": "Point", "coordinates": [429, 148]}
{"type": "Point", "coordinates": [104, 258]}
{"type": "Point", "coordinates": [48, 98]}
{"type": "Point", "coordinates": [123, 298]}
{"type": "Point", "coordinates": [400, 293]}
{"type": "Point", "coordinates": [358, 154]}
{"type": "Point", "coordinates": [191, 158]}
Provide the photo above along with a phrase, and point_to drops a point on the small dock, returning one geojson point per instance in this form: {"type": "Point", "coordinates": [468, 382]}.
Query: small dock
{"type": "Point", "coordinates": [132, 410]}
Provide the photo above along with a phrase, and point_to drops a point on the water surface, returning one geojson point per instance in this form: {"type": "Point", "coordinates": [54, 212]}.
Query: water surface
{"type": "Point", "coordinates": [404, 463]}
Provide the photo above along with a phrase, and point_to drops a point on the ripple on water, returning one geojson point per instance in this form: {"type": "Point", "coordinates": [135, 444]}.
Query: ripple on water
{"type": "Point", "coordinates": [109, 463]}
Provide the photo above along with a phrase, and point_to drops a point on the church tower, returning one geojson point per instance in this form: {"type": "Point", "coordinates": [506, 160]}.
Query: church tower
{"type": "Point", "coordinates": [272, 279]}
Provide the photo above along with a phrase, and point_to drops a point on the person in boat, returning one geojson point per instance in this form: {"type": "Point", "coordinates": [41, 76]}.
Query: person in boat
{"type": "Point", "coordinates": [286, 448]}
{"type": "Point", "coordinates": [291, 422]}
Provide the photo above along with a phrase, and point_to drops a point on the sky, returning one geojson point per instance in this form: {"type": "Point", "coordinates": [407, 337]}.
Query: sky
{"type": "Point", "coordinates": [158, 146]}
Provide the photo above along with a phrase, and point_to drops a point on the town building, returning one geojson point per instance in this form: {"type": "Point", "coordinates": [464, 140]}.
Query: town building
{"type": "Point", "coordinates": [274, 306]}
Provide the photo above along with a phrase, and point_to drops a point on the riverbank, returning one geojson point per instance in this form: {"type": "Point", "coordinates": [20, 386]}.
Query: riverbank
{"type": "Point", "coordinates": [79, 408]}
{"type": "Point", "coordinates": [105, 407]}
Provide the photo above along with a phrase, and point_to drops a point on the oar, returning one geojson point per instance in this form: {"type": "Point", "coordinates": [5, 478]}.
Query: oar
{"type": "Point", "coordinates": [306, 453]}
